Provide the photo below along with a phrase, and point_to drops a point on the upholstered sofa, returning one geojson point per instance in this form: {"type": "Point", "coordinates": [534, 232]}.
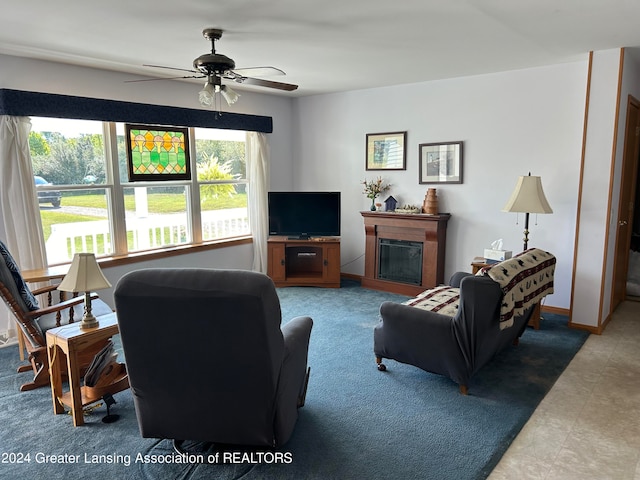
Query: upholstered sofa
{"type": "Point", "coordinates": [455, 330]}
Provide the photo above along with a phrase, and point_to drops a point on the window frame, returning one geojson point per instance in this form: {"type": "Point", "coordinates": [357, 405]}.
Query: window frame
{"type": "Point", "coordinates": [114, 189]}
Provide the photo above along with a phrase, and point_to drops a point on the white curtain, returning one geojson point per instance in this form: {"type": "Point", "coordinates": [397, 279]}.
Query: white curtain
{"type": "Point", "coordinates": [19, 210]}
{"type": "Point", "coordinates": [258, 174]}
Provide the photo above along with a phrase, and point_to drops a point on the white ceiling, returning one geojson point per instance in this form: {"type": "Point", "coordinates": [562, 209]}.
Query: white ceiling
{"type": "Point", "coordinates": [328, 46]}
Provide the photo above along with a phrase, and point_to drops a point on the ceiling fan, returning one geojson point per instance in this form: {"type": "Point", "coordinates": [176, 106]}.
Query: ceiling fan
{"type": "Point", "coordinates": [215, 67]}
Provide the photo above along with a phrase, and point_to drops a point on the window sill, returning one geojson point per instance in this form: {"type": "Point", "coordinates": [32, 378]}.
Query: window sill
{"type": "Point", "coordinates": [116, 260]}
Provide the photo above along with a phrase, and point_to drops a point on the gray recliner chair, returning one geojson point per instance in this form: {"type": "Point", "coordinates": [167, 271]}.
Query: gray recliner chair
{"type": "Point", "coordinates": [207, 358]}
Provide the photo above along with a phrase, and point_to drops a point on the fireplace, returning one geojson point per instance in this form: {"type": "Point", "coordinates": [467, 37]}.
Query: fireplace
{"type": "Point", "coordinates": [400, 261]}
{"type": "Point", "coordinates": [404, 253]}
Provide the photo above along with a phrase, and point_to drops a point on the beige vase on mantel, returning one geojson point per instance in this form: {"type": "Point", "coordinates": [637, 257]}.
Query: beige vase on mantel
{"type": "Point", "coordinates": [430, 205]}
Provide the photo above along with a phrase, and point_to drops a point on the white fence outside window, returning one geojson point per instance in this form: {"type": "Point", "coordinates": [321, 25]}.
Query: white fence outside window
{"type": "Point", "coordinates": [154, 231]}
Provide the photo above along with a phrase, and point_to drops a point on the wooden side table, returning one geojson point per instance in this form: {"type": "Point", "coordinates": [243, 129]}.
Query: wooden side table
{"type": "Point", "coordinates": [78, 347]}
{"type": "Point", "coordinates": [45, 274]}
{"type": "Point", "coordinates": [477, 264]}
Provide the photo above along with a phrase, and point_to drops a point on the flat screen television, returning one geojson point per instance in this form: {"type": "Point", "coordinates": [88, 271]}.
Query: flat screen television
{"type": "Point", "coordinates": [304, 214]}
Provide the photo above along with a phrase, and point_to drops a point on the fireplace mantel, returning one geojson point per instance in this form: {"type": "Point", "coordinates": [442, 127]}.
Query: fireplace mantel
{"type": "Point", "coordinates": [430, 230]}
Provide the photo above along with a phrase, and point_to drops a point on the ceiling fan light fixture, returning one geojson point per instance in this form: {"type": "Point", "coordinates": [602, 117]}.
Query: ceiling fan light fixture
{"type": "Point", "coordinates": [206, 95]}
{"type": "Point", "coordinates": [231, 96]}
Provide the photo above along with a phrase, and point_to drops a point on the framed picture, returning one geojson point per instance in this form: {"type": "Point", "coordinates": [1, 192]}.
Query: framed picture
{"type": "Point", "coordinates": [387, 151]}
{"type": "Point", "coordinates": [440, 162]}
{"type": "Point", "coordinates": [157, 153]}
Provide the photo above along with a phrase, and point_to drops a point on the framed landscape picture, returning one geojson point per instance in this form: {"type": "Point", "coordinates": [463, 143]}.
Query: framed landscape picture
{"type": "Point", "coordinates": [440, 162]}
{"type": "Point", "coordinates": [157, 153]}
{"type": "Point", "coordinates": [386, 151]}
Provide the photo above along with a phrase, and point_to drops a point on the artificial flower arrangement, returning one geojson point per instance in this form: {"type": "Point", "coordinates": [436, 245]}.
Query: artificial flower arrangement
{"type": "Point", "coordinates": [373, 188]}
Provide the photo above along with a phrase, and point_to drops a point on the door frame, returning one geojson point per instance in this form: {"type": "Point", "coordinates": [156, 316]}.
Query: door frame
{"type": "Point", "coordinates": [628, 181]}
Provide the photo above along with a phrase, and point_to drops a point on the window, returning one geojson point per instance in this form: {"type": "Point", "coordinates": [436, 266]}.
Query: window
{"type": "Point", "coordinates": [222, 182]}
{"type": "Point", "coordinates": [88, 204]}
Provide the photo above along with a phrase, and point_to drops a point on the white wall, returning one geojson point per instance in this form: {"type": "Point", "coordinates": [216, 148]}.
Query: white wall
{"type": "Point", "coordinates": [239, 257]}
{"type": "Point", "coordinates": [590, 267]}
{"type": "Point", "coordinates": [512, 123]}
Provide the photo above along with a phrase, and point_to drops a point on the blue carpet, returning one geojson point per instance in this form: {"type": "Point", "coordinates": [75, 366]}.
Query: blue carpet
{"type": "Point", "coordinates": [358, 423]}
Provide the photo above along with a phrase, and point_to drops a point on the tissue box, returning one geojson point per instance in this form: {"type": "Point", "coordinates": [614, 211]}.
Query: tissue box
{"type": "Point", "coordinates": [496, 255]}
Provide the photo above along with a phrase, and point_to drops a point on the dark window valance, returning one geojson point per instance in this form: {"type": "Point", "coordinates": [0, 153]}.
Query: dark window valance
{"type": "Point", "coordinates": [21, 103]}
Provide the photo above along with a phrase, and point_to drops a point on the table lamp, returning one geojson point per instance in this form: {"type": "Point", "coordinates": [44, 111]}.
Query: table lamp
{"type": "Point", "coordinates": [528, 197]}
{"type": "Point", "coordinates": [84, 276]}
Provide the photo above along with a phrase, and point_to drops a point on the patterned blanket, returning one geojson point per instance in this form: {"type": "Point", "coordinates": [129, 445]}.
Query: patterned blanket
{"type": "Point", "coordinates": [442, 300]}
{"type": "Point", "coordinates": [525, 279]}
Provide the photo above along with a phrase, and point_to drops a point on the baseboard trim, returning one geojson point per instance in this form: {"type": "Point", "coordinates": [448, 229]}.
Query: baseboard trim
{"type": "Point", "coordinates": [586, 328]}
{"type": "Point", "coordinates": [351, 276]}
{"type": "Point", "coordinates": [596, 330]}
{"type": "Point", "coordinates": [557, 310]}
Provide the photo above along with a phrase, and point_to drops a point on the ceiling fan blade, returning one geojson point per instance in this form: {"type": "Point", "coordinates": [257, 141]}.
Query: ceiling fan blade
{"type": "Point", "coordinates": [164, 78]}
{"type": "Point", "coordinates": [259, 71]}
{"type": "Point", "coordinates": [171, 68]}
{"type": "Point", "coordinates": [268, 83]}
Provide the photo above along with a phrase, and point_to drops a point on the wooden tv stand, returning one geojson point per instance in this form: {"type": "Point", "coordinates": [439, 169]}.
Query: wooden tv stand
{"type": "Point", "coordinates": [313, 262]}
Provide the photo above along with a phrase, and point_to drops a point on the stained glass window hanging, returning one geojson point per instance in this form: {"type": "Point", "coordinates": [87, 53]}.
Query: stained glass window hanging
{"type": "Point", "coordinates": [157, 153]}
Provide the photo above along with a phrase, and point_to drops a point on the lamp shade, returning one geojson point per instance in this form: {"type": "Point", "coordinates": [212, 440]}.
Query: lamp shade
{"type": "Point", "coordinates": [231, 96]}
{"type": "Point", "coordinates": [84, 275]}
{"type": "Point", "coordinates": [206, 95]}
{"type": "Point", "coordinates": [528, 197]}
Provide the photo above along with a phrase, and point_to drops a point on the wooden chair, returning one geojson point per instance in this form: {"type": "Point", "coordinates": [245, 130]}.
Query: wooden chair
{"type": "Point", "coordinates": [34, 323]}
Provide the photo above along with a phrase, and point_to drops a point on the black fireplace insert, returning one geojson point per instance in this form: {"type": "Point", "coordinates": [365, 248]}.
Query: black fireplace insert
{"type": "Point", "coordinates": [400, 261]}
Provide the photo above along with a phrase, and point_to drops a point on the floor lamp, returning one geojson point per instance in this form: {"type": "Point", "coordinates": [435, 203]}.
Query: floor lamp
{"type": "Point", "coordinates": [528, 197]}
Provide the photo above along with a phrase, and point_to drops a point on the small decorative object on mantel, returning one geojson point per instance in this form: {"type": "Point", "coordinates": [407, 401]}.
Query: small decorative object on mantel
{"type": "Point", "coordinates": [430, 205]}
{"type": "Point", "coordinates": [408, 209]}
{"type": "Point", "coordinates": [374, 188]}
{"type": "Point", "coordinates": [390, 204]}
